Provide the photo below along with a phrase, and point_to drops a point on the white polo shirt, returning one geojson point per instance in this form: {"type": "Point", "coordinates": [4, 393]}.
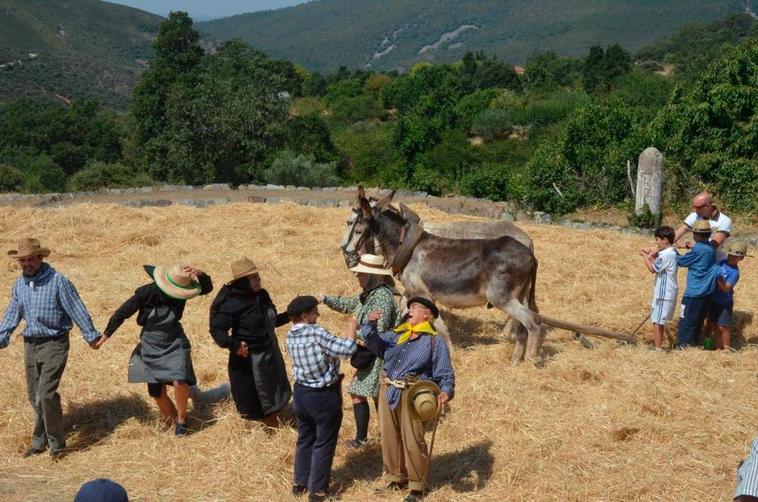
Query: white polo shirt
{"type": "Point", "coordinates": [722, 223]}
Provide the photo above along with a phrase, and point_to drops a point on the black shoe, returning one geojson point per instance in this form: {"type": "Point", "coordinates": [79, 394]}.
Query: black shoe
{"type": "Point", "coordinates": [31, 452]}
{"type": "Point", "coordinates": [56, 455]}
{"type": "Point", "coordinates": [392, 487]}
{"type": "Point", "coordinates": [318, 497]}
{"type": "Point", "coordinates": [298, 490]}
{"type": "Point", "coordinates": [356, 444]}
{"type": "Point", "coordinates": [414, 496]}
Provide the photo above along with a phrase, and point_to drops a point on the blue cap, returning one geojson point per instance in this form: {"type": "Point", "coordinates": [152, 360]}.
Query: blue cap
{"type": "Point", "coordinates": [101, 490]}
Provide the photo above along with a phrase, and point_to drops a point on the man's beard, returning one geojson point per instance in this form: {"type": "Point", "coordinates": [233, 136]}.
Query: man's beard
{"type": "Point", "coordinates": [30, 271]}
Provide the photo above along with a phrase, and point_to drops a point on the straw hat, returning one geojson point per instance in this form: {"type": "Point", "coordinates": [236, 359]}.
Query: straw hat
{"type": "Point", "coordinates": [28, 247]}
{"type": "Point", "coordinates": [242, 267]}
{"type": "Point", "coordinates": [371, 264]}
{"type": "Point", "coordinates": [175, 282]}
{"type": "Point", "coordinates": [737, 248]}
{"type": "Point", "coordinates": [702, 227]}
{"type": "Point", "coordinates": [423, 394]}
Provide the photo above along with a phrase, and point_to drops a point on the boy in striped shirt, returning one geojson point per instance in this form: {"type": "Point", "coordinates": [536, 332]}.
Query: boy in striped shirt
{"type": "Point", "coordinates": [662, 262]}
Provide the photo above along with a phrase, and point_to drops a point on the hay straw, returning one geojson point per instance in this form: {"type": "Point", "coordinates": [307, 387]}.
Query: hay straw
{"type": "Point", "coordinates": [615, 423]}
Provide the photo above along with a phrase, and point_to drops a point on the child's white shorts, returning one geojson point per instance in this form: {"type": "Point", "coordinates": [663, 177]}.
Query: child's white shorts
{"type": "Point", "coordinates": [662, 311]}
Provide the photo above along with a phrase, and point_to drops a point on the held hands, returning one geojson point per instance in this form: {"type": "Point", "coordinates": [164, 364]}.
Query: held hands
{"type": "Point", "coordinates": [242, 350]}
{"type": "Point", "coordinates": [98, 342]}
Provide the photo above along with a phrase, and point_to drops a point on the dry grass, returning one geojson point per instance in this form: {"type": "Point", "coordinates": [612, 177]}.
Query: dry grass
{"type": "Point", "coordinates": [616, 423]}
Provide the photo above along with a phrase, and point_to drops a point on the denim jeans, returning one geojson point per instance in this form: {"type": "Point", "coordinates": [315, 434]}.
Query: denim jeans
{"type": "Point", "coordinates": [694, 311]}
{"type": "Point", "coordinates": [318, 414]}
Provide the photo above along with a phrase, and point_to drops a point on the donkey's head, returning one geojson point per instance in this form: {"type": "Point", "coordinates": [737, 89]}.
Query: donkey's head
{"type": "Point", "coordinates": [362, 232]}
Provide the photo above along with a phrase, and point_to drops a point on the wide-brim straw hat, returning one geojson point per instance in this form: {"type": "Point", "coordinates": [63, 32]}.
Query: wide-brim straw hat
{"type": "Point", "coordinates": [175, 282]}
{"type": "Point", "coordinates": [737, 248]}
{"type": "Point", "coordinates": [371, 264]}
{"type": "Point", "coordinates": [702, 227]}
{"type": "Point", "coordinates": [423, 394]}
{"type": "Point", "coordinates": [242, 267]}
{"type": "Point", "coordinates": [28, 247]}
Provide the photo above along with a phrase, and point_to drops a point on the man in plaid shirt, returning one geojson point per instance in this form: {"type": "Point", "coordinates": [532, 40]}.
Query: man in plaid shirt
{"type": "Point", "coordinates": [48, 302]}
{"type": "Point", "coordinates": [317, 403]}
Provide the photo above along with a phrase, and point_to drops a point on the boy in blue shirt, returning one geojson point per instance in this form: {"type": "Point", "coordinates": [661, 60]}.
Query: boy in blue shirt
{"type": "Point", "coordinates": [701, 281]}
{"type": "Point", "coordinates": [722, 298]}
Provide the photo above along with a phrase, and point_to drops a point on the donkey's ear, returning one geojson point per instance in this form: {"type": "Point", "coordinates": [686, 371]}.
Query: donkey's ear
{"type": "Point", "coordinates": [385, 201]}
{"type": "Point", "coordinates": [365, 208]}
{"type": "Point", "coordinates": [359, 195]}
{"type": "Point", "coordinates": [408, 214]}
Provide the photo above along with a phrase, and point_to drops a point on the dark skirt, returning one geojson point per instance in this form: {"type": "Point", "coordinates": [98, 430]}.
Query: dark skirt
{"type": "Point", "coordinates": [259, 382]}
{"type": "Point", "coordinates": [162, 355]}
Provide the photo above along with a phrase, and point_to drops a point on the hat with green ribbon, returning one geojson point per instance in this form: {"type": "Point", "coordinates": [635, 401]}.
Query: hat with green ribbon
{"type": "Point", "coordinates": [175, 282]}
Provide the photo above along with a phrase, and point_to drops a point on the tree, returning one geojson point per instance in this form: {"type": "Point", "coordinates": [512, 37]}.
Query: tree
{"type": "Point", "coordinates": [177, 54]}
{"type": "Point", "coordinates": [309, 135]}
{"type": "Point", "coordinates": [710, 134]}
{"type": "Point", "coordinates": [547, 71]}
{"type": "Point", "coordinates": [615, 63]}
{"type": "Point", "coordinates": [594, 69]}
{"type": "Point", "coordinates": [225, 126]}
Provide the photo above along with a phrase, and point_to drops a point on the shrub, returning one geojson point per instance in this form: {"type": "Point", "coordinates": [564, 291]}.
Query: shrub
{"type": "Point", "coordinates": [102, 174]}
{"type": "Point", "coordinates": [472, 104]}
{"type": "Point", "coordinates": [11, 179]}
{"type": "Point", "coordinates": [491, 124]}
{"type": "Point", "coordinates": [290, 168]}
{"type": "Point", "coordinates": [41, 174]}
{"type": "Point", "coordinates": [551, 185]}
{"type": "Point", "coordinates": [488, 181]}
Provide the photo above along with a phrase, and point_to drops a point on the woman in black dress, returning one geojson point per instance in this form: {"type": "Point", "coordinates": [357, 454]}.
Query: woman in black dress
{"type": "Point", "coordinates": [162, 357]}
{"type": "Point", "coordinates": [257, 373]}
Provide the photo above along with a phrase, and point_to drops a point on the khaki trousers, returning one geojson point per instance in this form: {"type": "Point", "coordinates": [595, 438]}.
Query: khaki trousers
{"type": "Point", "coordinates": [404, 450]}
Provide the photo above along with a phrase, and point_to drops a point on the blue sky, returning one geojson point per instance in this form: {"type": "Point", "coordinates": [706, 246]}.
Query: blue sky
{"type": "Point", "coordinates": [202, 10]}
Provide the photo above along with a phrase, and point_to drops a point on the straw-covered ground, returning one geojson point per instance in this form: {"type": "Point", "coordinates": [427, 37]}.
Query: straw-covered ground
{"type": "Point", "coordinates": [615, 423]}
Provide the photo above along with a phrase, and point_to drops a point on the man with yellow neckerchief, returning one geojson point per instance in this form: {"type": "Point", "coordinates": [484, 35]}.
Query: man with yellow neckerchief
{"type": "Point", "coordinates": [411, 353]}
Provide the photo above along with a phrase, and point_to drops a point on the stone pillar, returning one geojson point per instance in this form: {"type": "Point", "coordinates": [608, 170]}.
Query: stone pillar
{"type": "Point", "coordinates": [649, 182]}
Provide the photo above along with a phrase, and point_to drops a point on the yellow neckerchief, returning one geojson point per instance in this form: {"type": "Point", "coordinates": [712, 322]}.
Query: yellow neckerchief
{"type": "Point", "coordinates": [407, 330]}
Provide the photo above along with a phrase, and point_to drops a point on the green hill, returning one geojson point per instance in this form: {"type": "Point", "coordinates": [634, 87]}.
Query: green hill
{"type": "Point", "coordinates": [393, 34]}
{"type": "Point", "coordinates": [690, 50]}
{"type": "Point", "coordinates": [69, 49]}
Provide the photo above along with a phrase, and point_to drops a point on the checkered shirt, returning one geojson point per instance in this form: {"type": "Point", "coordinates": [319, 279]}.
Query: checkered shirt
{"type": "Point", "coordinates": [315, 354]}
{"type": "Point", "coordinates": [747, 474]}
{"type": "Point", "coordinates": [48, 302]}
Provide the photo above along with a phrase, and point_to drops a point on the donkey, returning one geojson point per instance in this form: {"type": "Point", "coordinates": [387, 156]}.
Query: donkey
{"type": "Point", "coordinates": [459, 273]}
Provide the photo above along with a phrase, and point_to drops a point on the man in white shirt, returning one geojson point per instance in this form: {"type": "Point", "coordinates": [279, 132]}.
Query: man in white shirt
{"type": "Point", "coordinates": [705, 209]}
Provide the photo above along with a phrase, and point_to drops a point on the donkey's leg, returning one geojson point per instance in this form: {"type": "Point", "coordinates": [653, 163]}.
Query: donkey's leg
{"type": "Point", "coordinates": [534, 343]}
{"type": "Point", "coordinates": [529, 320]}
{"type": "Point", "coordinates": [521, 337]}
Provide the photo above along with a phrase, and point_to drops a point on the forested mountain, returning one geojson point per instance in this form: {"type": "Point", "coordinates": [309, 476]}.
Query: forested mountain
{"type": "Point", "coordinates": [394, 34]}
{"type": "Point", "coordinates": [70, 49]}
{"type": "Point", "coordinates": [688, 51]}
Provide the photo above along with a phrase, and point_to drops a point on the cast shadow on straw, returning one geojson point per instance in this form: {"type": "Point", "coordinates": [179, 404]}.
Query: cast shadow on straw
{"type": "Point", "coordinates": [90, 423]}
{"type": "Point", "coordinates": [466, 470]}
{"type": "Point", "coordinates": [465, 331]}
{"type": "Point", "coordinates": [363, 464]}
{"type": "Point", "coordinates": [740, 321]}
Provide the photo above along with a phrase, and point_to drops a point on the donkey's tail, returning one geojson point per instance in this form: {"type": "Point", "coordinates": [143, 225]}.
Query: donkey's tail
{"type": "Point", "coordinates": [533, 288]}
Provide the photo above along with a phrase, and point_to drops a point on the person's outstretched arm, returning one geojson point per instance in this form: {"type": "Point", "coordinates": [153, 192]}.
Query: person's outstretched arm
{"type": "Point", "coordinates": [73, 306]}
